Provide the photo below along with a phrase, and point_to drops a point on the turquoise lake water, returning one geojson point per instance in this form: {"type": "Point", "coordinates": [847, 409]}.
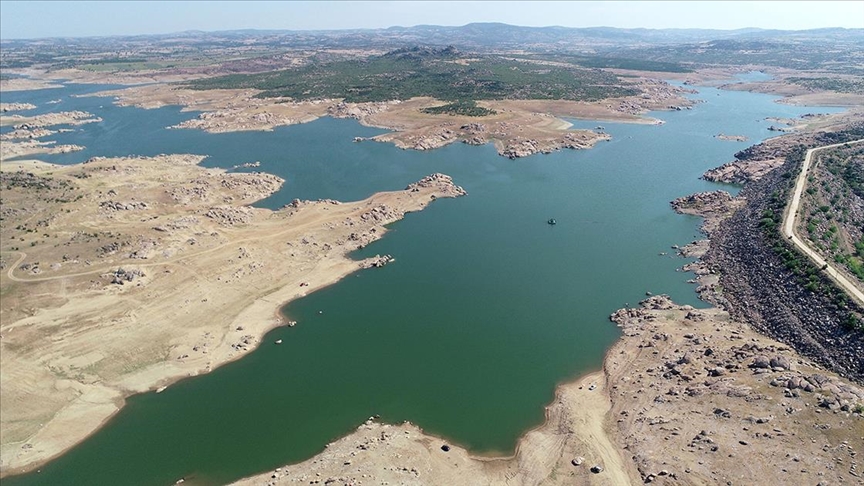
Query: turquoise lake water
{"type": "Point", "coordinates": [486, 309]}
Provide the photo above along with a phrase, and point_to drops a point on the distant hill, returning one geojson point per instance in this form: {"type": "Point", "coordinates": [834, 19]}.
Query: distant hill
{"type": "Point", "coordinates": [492, 35]}
{"type": "Point", "coordinates": [837, 50]}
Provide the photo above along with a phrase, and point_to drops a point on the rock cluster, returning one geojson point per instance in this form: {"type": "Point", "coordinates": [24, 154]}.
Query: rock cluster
{"type": "Point", "coordinates": [741, 172]}
{"type": "Point", "coordinates": [432, 141]}
{"type": "Point", "coordinates": [254, 186]}
{"type": "Point", "coordinates": [247, 165]}
{"type": "Point", "coordinates": [731, 138]}
{"type": "Point", "coordinates": [27, 134]}
{"type": "Point", "coordinates": [358, 110]}
{"type": "Point", "coordinates": [439, 181]}
{"type": "Point", "coordinates": [515, 148]}
{"type": "Point", "coordinates": [474, 134]}
{"type": "Point", "coordinates": [9, 149]}
{"type": "Point", "coordinates": [521, 148]}
{"type": "Point", "coordinates": [381, 214]}
{"type": "Point", "coordinates": [245, 343]}
{"type": "Point", "coordinates": [185, 194]}
{"type": "Point", "coordinates": [121, 206]}
{"type": "Point", "coordinates": [235, 119]}
{"type": "Point", "coordinates": [7, 107]}
{"type": "Point", "coordinates": [713, 206]}
{"type": "Point", "coordinates": [230, 215]}
{"type": "Point", "coordinates": [377, 261]}
{"type": "Point", "coordinates": [32, 268]}
{"type": "Point", "coordinates": [121, 276]}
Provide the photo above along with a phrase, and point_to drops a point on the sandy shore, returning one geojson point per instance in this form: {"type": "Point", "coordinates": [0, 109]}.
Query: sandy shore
{"type": "Point", "coordinates": [379, 453]}
{"type": "Point", "coordinates": [90, 309]}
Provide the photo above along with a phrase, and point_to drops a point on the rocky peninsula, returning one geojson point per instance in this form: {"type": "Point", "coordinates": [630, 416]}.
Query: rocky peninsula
{"type": "Point", "coordinates": [120, 236]}
{"type": "Point", "coordinates": [518, 128]}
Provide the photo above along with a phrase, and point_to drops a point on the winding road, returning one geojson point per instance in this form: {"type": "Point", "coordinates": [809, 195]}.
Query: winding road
{"type": "Point", "coordinates": [789, 220]}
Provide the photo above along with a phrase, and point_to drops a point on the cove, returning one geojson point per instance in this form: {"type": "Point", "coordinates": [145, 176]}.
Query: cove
{"type": "Point", "coordinates": [486, 309]}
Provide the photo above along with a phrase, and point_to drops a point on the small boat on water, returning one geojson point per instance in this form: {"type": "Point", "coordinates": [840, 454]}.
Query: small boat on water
{"type": "Point", "coordinates": [552, 221]}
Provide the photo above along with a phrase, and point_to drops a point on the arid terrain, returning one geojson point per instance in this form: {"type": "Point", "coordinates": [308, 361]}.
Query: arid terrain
{"type": "Point", "coordinates": [123, 275]}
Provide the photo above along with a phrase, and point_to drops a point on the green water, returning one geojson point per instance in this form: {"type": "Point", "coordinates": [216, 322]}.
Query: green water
{"type": "Point", "coordinates": [485, 310]}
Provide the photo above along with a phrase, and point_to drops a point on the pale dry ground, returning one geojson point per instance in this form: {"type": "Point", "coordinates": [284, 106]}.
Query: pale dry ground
{"type": "Point", "coordinates": [40, 78]}
{"type": "Point", "coordinates": [7, 107]}
{"type": "Point", "coordinates": [710, 401]}
{"type": "Point", "coordinates": [10, 149]}
{"type": "Point", "coordinates": [402, 454]}
{"type": "Point", "coordinates": [794, 94]}
{"type": "Point", "coordinates": [26, 84]}
{"type": "Point", "coordinates": [49, 119]}
{"type": "Point", "coordinates": [827, 98]}
{"type": "Point", "coordinates": [231, 109]}
{"type": "Point", "coordinates": [704, 76]}
{"type": "Point", "coordinates": [203, 278]}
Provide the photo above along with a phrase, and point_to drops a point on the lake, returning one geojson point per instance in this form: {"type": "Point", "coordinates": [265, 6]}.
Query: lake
{"type": "Point", "coordinates": [485, 310]}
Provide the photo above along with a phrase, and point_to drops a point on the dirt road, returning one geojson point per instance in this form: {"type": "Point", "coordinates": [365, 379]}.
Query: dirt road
{"type": "Point", "coordinates": [791, 215]}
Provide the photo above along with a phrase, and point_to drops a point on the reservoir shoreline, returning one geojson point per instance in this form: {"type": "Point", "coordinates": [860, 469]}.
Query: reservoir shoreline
{"type": "Point", "coordinates": [532, 432]}
{"type": "Point", "coordinates": [242, 320]}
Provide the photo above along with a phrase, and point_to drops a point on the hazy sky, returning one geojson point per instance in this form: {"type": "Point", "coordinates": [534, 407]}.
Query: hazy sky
{"type": "Point", "coordinates": [29, 19]}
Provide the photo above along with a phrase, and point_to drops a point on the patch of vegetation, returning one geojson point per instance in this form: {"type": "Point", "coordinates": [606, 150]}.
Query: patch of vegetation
{"type": "Point", "coordinates": [855, 86]}
{"type": "Point", "coordinates": [804, 271]}
{"type": "Point", "coordinates": [439, 73]}
{"type": "Point", "coordinates": [464, 108]}
{"type": "Point", "coordinates": [605, 62]}
{"type": "Point", "coordinates": [836, 190]}
{"type": "Point", "coordinates": [834, 56]}
{"type": "Point", "coordinates": [634, 64]}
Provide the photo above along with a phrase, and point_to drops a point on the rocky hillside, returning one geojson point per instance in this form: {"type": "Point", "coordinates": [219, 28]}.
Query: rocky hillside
{"type": "Point", "coordinates": [767, 286]}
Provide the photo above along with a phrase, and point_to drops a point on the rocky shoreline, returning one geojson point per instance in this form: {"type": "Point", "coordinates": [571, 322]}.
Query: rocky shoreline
{"type": "Point", "coordinates": [759, 289]}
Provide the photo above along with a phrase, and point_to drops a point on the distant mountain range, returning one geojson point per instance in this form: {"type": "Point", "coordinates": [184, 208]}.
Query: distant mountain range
{"type": "Point", "coordinates": [492, 36]}
{"type": "Point", "coordinates": [837, 50]}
